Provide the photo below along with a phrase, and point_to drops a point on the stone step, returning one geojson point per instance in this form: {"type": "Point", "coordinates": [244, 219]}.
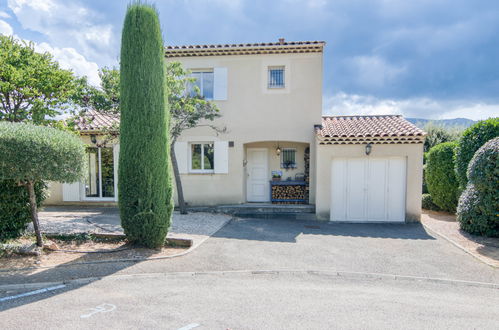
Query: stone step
{"type": "Point", "coordinates": [263, 210]}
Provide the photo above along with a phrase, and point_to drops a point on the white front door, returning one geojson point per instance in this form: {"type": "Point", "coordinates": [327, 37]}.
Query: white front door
{"type": "Point", "coordinates": [257, 169]}
{"type": "Point", "coordinates": [368, 189]}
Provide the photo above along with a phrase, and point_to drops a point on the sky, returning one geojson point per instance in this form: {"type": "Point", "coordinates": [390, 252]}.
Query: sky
{"type": "Point", "coordinates": [433, 59]}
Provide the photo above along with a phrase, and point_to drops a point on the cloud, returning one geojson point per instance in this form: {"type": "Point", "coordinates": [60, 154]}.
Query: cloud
{"type": "Point", "coordinates": [70, 59]}
{"type": "Point", "coordinates": [65, 23]}
{"type": "Point", "coordinates": [374, 72]}
{"type": "Point", "coordinates": [4, 14]}
{"type": "Point", "coordinates": [5, 28]}
{"type": "Point", "coordinates": [352, 104]}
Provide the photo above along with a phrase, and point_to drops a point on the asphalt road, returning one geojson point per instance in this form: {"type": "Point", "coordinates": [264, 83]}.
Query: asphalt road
{"type": "Point", "coordinates": [226, 289]}
{"type": "Point", "coordinates": [256, 301]}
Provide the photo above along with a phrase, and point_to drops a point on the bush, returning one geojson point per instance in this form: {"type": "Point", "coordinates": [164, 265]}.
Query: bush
{"type": "Point", "coordinates": [15, 212]}
{"type": "Point", "coordinates": [436, 134]}
{"type": "Point", "coordinates": [427, 203]}
{"type": "Point", "coordinates": [478, 209]}
{"type": "Point", "coordinates": [440, 176]}
{"type": "Point", "coordinates": [483, 170]}
{"type": "Point", "coordinates": [31, 154]}
{"type": "Point", "coordinates": [477, 212]}
{"type": "Point", "coordinates": [473, 138]}
{"type": "Point", "coordinates": [145, 188]}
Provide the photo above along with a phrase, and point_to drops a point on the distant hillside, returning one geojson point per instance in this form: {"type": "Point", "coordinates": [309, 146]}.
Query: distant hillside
{"type": "Point", "coordinates": [456, 122]}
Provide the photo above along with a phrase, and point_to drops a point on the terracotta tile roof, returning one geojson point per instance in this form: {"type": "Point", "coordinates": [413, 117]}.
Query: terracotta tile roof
{"type": "Point", "coordinates": [94, 121]}
{"type": "Point", "coordinates": [281, 47]}
{"type": "Point", "coordinates": [369, 129]}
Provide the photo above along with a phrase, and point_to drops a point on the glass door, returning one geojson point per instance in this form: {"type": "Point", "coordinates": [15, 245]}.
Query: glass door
{"type": "Point", "coordinates": [99, 183]}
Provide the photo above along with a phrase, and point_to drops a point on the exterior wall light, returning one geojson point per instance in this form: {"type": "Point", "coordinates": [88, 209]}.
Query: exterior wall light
{"type": "Point", "coordinates": [93, 138]}
{"type": "Point", "coordinates": [278, 151]}
{"type": "Point", "coordinates": [369, 147]}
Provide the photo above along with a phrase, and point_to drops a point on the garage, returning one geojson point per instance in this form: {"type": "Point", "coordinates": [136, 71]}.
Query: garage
{"type": "Point", "coordinates": [369, 169]}
{"type": "Point", "coordinates": [368, 189]}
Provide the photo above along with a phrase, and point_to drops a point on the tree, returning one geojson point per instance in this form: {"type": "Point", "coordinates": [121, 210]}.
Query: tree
{"type": "Point", "coordinates": [187, 109]}
{"type": "Point", "coordinates": [31, 154]}
{"type": "Point", "coordinates": [107, 97]}
{"type": "Point", "coordinates": [145, 188]}
{"type": "Point", "coordinates": [437, 134]}
{"type": "Point", "coordinates": [33, 88]}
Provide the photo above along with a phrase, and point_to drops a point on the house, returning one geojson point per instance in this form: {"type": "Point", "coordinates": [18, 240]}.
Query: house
{"type": "Point", "coordinates": [354, 168]}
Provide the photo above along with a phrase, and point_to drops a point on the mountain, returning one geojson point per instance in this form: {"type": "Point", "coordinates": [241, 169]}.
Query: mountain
{"type": "Point", "coordinates": [456, 122]}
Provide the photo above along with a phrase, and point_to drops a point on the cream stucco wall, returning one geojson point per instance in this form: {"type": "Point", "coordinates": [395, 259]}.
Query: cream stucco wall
{"type": "Point", "coordinates": [412, 152]}
{"type": "Point", "coordinates": [253, 113]}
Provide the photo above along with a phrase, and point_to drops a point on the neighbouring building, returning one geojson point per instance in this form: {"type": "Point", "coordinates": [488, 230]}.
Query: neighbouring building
{"type": "Point", "coordinates": [353, 168]}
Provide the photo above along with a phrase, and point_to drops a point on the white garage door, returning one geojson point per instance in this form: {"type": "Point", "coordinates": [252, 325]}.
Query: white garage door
{"type": "Point", "coordinates": [368, 189]}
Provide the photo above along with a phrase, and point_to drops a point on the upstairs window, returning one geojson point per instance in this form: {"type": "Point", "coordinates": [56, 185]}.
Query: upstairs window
{"type": "Point", "coordinates": [276, 77]}
{"type": "Point", "coordinates": [204, 82]}
{"type": "Point", "coordinates": [202, 157]}
{"type": "Point", "coordinates": [288, 158]}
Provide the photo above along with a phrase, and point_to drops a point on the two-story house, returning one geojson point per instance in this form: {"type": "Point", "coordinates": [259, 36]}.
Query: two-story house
{"type": "Point", "coordinates": [356, 168]}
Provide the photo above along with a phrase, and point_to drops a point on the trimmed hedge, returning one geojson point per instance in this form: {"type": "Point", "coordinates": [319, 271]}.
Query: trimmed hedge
{"type": "Point", "coordinates": [478, 209]}
{"type": "Point", "coordinates": [15, 212]}
{"type": "Point", "coordinates": [473, 138]}
{"type": "Point", "coordinates": [440, 176]}
{"type": "Point", "coordinates": [427, 203]}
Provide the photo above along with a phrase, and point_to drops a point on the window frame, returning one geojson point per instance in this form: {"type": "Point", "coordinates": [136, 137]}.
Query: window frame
{"type": "Point", "coordinates": [99, 168]}
{"type": "Point", "coordinates": [295, 164]}
{"type": "Point", "coordinates": [202, 72]}
{"type": "Point", "coordinates": [269, 76]}
{"type": "Point", "coordinates": [202, 170]}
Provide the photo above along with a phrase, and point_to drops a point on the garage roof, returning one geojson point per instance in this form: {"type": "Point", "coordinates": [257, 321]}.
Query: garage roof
{"type": "Point", "coordinates": [383, 129]}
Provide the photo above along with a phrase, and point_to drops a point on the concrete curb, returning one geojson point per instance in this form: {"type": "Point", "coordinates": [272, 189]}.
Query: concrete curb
{"type": "Point", "coordinates": [474, 254]}
{"type": "Point", "coordinates": [329, 273]}
{"type": "Point", "coordinates": [189, 250]}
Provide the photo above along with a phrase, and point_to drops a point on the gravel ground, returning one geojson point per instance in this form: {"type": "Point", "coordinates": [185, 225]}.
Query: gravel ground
{"type": "Point", "coordinates": [77, 219]}
{"type": "Point", "coordinates": [445, 224]}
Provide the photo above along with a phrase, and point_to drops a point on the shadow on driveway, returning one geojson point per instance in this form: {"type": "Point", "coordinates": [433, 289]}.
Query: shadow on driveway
{"type": "Point", "coordinates": [289, 230]}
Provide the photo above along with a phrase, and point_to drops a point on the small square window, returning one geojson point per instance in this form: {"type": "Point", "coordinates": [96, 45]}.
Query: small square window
{"type": "Point", "coordinates": [203, 82]}
{"type": "Point", "coordinates": [288, 158]}
{"type": "Point", "coordinates": [202, 157]}
{"type": "Point", "coordinates": [276, 77]}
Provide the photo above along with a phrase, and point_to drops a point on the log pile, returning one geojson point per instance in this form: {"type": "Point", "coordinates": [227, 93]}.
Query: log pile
{"type": "Point", "coordinates": [289, 192]}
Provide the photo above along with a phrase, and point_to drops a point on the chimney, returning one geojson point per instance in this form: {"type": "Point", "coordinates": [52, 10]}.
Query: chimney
{"type": "Point", "coordinates": [281, 41]}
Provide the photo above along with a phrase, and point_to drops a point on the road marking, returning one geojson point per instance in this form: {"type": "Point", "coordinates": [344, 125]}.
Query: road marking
{"type": "Point", "coordinates": [189, 326]}
{"type": "Point", "coordinates": [31, 293]}
{"type": "Point", "coordinates": [103, 308]}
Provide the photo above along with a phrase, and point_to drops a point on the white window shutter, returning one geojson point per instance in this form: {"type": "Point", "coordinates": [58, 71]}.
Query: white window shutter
{"type": "Point", "coordinates": [71, 192]}
{"type": "Point", "coordinates": [182, 154]}
{"type": "Point", "coordinates": [220, 84]}
{"type": "Point", "coordinates": [222, 157]}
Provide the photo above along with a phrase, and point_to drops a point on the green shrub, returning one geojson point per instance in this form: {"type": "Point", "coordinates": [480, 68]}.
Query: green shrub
{"type": "Point", "coordinates": [145, 189]}
{"type": "Point", "coordinates": [15, 212]}
{"type": "Point", "coordinates": [478, 209]}
{"type": "Point", "coordinates": [473, 138]}
{"type": "Point", "coordinates": [478, 212]}
{"type": "Point", "coordinates": [31, 154]}
{"type": "Point", "coordinates": [427, 203]}
{"type": "Point", "coordinates": [440, 176]}
{"type": "Point", "coordinates": [483, 170]}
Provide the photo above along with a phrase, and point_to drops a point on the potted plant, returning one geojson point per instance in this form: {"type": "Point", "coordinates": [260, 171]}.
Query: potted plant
{"type": "Point", "coordinates": [276, 175]}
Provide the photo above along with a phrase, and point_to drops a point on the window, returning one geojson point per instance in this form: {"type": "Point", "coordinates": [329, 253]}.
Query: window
{"type": "Point", "coordinates": [99, 182]}
{"type": "Point", "coordinates": [288, 158]}
{"type": "Point", "coordinates": [202, 157]}
{"type": "Point", "coordinates": [276, 77]}
{"type": "Point", "coordinates": [204, 81]}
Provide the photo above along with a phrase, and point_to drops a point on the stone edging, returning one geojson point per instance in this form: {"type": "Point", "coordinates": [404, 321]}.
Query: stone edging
{"type": "Point", "coordinates": [474, 254]}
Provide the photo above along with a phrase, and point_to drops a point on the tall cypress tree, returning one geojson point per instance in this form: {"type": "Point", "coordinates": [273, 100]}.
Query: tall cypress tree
{"type": "Point", "coordinates": [145, 189]}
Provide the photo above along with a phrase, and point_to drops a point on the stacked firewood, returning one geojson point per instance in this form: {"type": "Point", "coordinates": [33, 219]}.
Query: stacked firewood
{"type": "Point", "coordinates": [306, 159]}
{"type": "Point", "coordinates": [288, 192]}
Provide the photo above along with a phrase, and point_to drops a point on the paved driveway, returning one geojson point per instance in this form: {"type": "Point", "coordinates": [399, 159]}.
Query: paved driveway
{"type": "Point", "coordinates": [254, 244]}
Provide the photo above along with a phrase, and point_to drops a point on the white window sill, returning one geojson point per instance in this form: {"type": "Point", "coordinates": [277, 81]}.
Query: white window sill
{"type": "Point", "coordinates": [201, 172]}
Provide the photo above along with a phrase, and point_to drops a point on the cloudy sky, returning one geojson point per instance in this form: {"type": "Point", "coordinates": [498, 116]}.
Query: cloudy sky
{"type": "Point", "coordinates": [421, 58]}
